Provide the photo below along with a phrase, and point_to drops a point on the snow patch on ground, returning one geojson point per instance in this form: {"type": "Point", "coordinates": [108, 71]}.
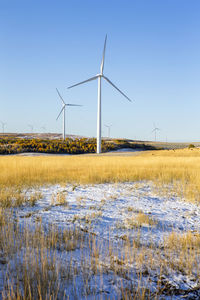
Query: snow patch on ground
{"type": "Point", "coordinates": [112, 204]}
{"type": "Point", "coordinates": [126, 150]}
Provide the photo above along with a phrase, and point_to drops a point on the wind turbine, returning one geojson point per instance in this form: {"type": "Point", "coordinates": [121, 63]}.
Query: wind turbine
{"type": "Point", "coordinates": [99, 77]}
{"type": "Point", "coordinates": [63, 110]}
{"type": "Point", "coordinates": [3, 126]}
{"type": "Point", "coordinates": [155, 130]}
{"type": "Point", "coordinates": [108, 126]}
{"type": "Point", "coordinates": [31, 127]}
{"type": "Point", "coordinates": [43, 129]}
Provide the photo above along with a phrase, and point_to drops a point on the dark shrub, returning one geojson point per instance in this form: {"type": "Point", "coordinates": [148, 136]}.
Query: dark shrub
{"type": "Point", "coordinates": [191, 146]}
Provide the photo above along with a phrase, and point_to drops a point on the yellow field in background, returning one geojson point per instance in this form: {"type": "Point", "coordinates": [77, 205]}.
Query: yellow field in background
{"type": "Point", "coordinates": [180, 167]}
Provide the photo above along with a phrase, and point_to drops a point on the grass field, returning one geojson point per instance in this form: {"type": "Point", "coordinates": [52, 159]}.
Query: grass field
{"type": "Point", "coordinates": [177, 167]}
{"type": "Point", "coordinates": [88, 226]}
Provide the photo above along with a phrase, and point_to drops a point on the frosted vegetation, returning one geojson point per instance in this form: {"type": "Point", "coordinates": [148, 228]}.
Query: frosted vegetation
{"type": "Point", "coordinates": [100, 227]}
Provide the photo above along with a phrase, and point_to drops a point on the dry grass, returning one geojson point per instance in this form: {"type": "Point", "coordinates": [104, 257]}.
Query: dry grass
{"type": "Point", "coordinates": [182, 252]}
{"type": "Point", "coordinates": [61, 199]}
{"type": "Point", "coordinates": [14, 197]}
{"type": "Point", "coordinates": [39, 262]}
{"type": "Point", "coordinates": [34, 265]}
{"type": "Point", "coordinates": [162, 165]}
{"type": "Point", "coordinates": [180, 168]}
{"type": "Point", "coordinates": [138, 220]}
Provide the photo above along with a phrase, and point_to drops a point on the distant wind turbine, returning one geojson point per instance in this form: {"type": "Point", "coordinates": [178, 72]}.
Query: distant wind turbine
{"type": "Point", "coordinates": [31, 127]}
{"type": "Point", "coordinates": [63, 110]}
{"type": "Point", "coordinates": [155, 130]}
{"type": "Point", "coordinates": [43, 129]}
{"type": "Point", "coordinates": [108, 126]}
{"type": "Point", "coordinates": [99, 77]}
{"type": "Point", "coordinates": [3, 126]}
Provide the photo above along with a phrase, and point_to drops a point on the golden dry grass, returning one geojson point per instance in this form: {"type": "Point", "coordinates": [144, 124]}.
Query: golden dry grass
{"type": "Point", "coordinates": [31, 279]}
{"type": "Point", "coordinates": [169, 166]}
{"type": "Point", "coordinates": [182, 251]}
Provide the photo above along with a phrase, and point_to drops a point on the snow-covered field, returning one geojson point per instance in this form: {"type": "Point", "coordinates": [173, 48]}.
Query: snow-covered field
{"type": "Point", "coordinates": [118, 214]}
{"type": "Point", "coordinates": [112, 205]}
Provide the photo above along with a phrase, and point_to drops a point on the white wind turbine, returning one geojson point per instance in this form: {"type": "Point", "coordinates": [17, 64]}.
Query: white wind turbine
{"type": "Point", "coordinates": [155, 130]}
{"type": "Point", "coordinates": [31, 127]}
{"type": "Point", "coordinates": [108, 126]}
{"type": "Point", "coordinates": [43, 129]}
{"type": "Point", "coordinates": [3, 126]}
{"type": "Point", "coordinates": [63, 110]}
{"type": "Point", "coordinates": [99, 77]}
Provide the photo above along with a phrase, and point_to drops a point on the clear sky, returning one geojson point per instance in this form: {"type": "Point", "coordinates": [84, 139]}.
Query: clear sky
{"type": "Point", "coordinates": [153, 55]}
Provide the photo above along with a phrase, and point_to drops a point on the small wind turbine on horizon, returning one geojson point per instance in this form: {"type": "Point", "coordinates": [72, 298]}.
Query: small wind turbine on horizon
{"type": "Point", "coordinates": [108, 126]}
{"type": "Point", "coordinates": [63, 110]}
{"type": "Point", "coordinates": [31, 127]}
{"type": "Point", "coordinates": [155, 130]}
{"type": "Point", "coordinates": [3, 126]}
{"type": "Point", "coordinates": [43, 129]}
{"type": "Point", "coordinates": [99, 77]}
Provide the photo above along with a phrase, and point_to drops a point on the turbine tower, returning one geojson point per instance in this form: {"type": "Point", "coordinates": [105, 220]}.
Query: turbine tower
{"type": "Point", "coordinates": [63, 110]}
{"type": "Point", "coordinates": [3, 126]}
{"type": "Point", "coordinates": [108, 126]}
{"type": "Point", "coordinates": [155, 130]}
{"type": "Point", "coordinates": [99, 77]}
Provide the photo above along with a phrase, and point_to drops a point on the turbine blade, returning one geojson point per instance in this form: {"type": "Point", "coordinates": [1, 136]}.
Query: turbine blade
{"type": "Point", "coordinates": [117, 88]}
{"type": "Point", "coordinates": [60, 96]}
{"type": "Point", "coordinates": [60, 113]}
{"type": "Point", "coordinates": [90, 79]}
{"type": "Point", "coordinates": [103, 58]}
{"type": "Point", "coordinates": [73, 104]}
{"type": "Point", "coordinates": [156, 128]}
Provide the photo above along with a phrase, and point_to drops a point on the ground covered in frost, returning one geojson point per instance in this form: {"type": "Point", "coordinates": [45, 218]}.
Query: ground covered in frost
{"type": "Point", "coordinates": [116, 213]}
{"type": "Point", "coordinates": [105, 208]}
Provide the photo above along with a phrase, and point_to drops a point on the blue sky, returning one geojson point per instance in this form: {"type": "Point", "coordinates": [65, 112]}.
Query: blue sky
{"type": "Point", "coordinates": [153, 55]}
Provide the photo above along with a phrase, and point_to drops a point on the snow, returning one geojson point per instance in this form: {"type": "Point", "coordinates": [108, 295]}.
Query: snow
{"type": "Point", "coordinates": [41, 154]}
{"type": "Point", "coordinates": [115, 203]}
{"type": "Point", "coordinates": [126, 150]}
{"type": "Point", "coordinates": [107, 210]}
